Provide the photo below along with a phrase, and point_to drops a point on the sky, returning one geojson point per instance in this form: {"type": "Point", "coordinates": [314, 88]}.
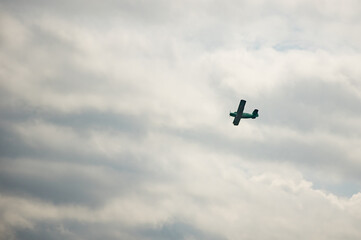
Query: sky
{"type": "Point", "coordinates": [115, 119]}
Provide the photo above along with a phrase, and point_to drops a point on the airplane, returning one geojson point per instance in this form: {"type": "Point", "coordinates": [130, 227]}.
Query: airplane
{"type": "Point", "coordinates": [240, 114]}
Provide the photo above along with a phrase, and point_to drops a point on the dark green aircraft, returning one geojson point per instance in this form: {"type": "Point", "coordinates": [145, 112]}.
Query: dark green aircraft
{"type": "Point", "coordinates": [240, 114]}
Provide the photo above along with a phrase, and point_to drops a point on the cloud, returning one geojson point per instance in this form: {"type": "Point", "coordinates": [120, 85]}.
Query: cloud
{"type": "Point", "coordinates": [114, 120]}
{"type": "Point", "coordinates": [268, 200]}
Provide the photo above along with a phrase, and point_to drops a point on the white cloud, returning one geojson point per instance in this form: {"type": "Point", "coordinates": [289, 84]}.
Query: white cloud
{"type": "Point", "coordinates": [225, 204]}
{"type": "Point", "coordinates": [114, 120]}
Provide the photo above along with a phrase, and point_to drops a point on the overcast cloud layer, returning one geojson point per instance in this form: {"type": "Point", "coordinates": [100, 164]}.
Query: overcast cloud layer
{"type": "Point", "coordinates": [114, 119]}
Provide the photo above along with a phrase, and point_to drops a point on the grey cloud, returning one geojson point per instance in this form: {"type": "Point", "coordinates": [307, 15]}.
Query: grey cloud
{"type": "Point", "coordinates": [322, 155]}
{"type": "Point", "coordinates": [43, 231]}
{"type": "Point", "coordinates": [177, 230]}
{"type": "Point", "coordinates": [61, 186]}
{"type": "Point", "coordinates": [72, 186]}
{"type": "Point", "coordinates": [309, 104]}
{"type": "Point", "coordinates": [93, 12]}
{"type": "Point", "coordinates": [12, 145]}
{"type": "Point", "coordinates": [133, 126]}
{"type": "Point", "coordinates": [120, 109]}
{"type": "Point", "coordinates": [74, 229]}
{"type": "Point", "coordinates": [71, 230]}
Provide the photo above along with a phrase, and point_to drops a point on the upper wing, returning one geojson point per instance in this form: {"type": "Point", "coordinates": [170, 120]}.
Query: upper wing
{"type": "Point", "coordinates": [239, 112]}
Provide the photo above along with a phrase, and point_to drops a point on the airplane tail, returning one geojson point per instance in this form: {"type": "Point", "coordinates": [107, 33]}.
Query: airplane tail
{"type": "Point", "coordinates": [255, 113]}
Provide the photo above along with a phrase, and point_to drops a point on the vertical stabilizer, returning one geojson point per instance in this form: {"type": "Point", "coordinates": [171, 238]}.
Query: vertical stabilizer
{"type": "Point", "coordinates": [255, 113]}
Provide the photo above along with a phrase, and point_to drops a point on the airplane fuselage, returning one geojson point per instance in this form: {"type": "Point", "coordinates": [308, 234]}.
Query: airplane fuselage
{"type": "Point", "coordinates": [244, 115]}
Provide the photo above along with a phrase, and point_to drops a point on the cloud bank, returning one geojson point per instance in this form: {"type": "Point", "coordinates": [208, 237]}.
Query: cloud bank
{"type": "Point", "coordinates": [114, 120]}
